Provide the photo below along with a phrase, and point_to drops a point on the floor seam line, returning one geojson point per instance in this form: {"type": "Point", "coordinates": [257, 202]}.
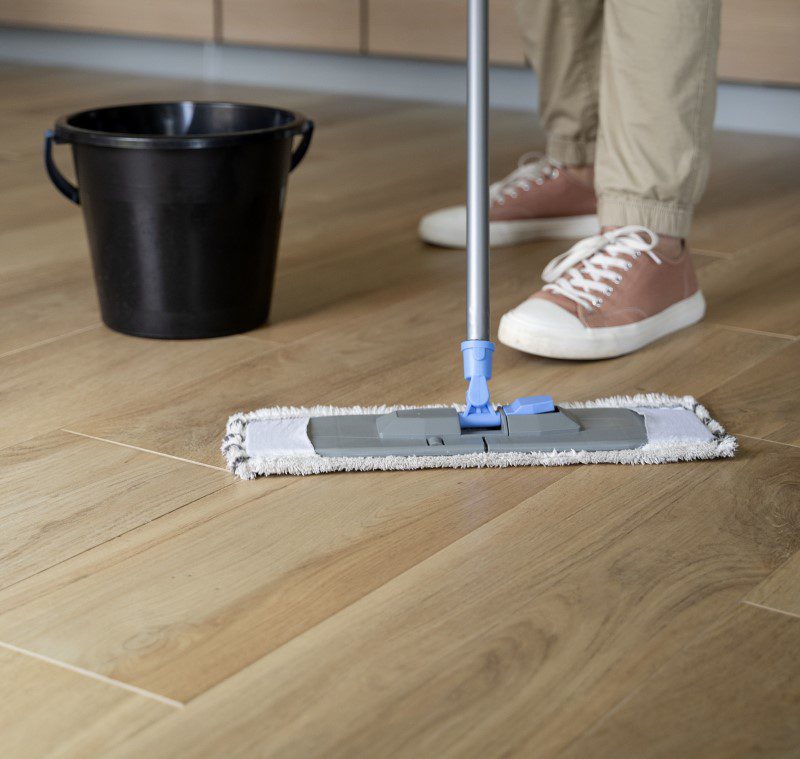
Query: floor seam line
{"type": "Point", "coordinates": [634, 691]}
{"type": "Point", "coordinates": [95, 676]}
{"type": "Point", "coordinates": [49, 340]}
{"type": "Point", "coordinates": [378, 587]}
{"type": "Point", "coordinates": [724, 380]}
{"type": "Point", "coordinates": [763, 439]}
{"type": "Point", "coordinates": [111, 539]}
{"type": "Point", "coordinates": [144, 450]}
{"type": "Point", "coordinates": [771, 609]}
{"type": "Point", "coordinates": [749, 331]}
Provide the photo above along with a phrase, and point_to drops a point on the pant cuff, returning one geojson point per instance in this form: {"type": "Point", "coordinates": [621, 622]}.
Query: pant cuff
{"type": "Point", "coordinates": [569, 151]}
{"type": "Point", "coordinates": [620, 210]}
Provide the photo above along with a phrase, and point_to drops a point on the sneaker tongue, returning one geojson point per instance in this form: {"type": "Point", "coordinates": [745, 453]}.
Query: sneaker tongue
{"type": "Point", "coordinates": [559, 300]}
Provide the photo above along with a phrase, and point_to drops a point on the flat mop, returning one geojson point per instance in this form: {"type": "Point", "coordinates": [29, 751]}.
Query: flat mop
{"type": "Point", "coordinates": [533, 430]}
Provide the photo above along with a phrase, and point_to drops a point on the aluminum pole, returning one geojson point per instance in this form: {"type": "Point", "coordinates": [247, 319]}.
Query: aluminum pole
{"type": "Point", "coordinates": [477, 173]}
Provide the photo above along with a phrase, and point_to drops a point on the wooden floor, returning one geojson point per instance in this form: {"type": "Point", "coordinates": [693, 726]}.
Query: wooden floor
{"type": "Point", "coordinates": [151, 605]}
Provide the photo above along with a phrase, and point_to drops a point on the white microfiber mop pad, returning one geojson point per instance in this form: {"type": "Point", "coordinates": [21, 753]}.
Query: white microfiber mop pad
{"type": "Point", "coordinates": [274, 441]}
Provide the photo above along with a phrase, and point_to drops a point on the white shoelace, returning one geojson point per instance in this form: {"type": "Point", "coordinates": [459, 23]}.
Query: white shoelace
{"type": "Point", "coordinates": [591, 267]}
{"type": "Point", "coordinates": [532, 168]}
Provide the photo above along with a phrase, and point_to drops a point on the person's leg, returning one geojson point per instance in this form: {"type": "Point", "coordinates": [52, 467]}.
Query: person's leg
{"type": "Point", "coordinates": [552, 195]}
{"type": "Point", "coordinates": [620, 291]}
{"type": "Point", "coordinates": [657, 98]}
{"type": "Point", "coordinates": [562, 41]}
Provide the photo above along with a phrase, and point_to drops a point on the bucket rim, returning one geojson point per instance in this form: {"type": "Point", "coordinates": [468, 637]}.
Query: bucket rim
{"type": "Point", "coordinates": [66, 132]}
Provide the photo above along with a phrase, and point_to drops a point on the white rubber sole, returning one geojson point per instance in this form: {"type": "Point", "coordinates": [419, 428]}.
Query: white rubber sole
{"type": "Point", "coordinates": [502, 233]}
{"type": "Point", "coordinates": [603, 342]}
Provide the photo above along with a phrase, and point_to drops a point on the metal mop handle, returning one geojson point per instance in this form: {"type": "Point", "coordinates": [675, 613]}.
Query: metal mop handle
{"type": "Point", "coordinates": [477, 173]}
{"type": "Point", "coordinates": [477, 349]}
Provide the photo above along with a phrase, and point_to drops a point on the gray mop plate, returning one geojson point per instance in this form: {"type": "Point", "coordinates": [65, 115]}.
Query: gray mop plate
{"type": "Point", "coordinates": [437, 432]}
{"type": "Point", "coordinates": [277, 440]}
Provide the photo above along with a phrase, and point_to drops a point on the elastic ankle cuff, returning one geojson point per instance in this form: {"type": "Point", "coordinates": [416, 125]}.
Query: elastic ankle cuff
{"type": "Point", "coordinates": [619, 210]}
{"type": "Point", "coordinates": [570, 152]}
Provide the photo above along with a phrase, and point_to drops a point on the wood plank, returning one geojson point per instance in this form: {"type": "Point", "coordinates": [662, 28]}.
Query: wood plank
{"type": "Point", "coordinates": [176, 608]}
{"type": "Point", "coordinates": [781, 590]}
{"type": "Point", "coordinates": [757, 288]}
{"type": "Point", "coordinates": [332, 25]}
{"type": "Point", "coordinates": [184, 19]}
{"type": "Point", "coordinates": [758, 41]}
{"type": "Point", "coordinates": [371, 370]}
{"type": "Point", "coordinates": [49, 711]}
{"type": "Point", "coordinates": [58, 384]}
{"type": "Point", "coordinates": [437, 29]}
{"type": "Point", "coordinates": [462, 612]}
{"type": "Point", "coordinates": [763, 400]}
{"type": "Point", "coordinates": [49, 91]}
{"type": "Point", "coordinates": [752, 191]}
{"type": "Point", "coordinates": [48, 519]}
{"type": "Point", "coordinates": [30, 199]}
{"type": "Point", "coordinates": [514, 639]}
{"type": "Point", "coordinates": [46, 284]}
{"type": "Point", "coordinates": [732, 692]}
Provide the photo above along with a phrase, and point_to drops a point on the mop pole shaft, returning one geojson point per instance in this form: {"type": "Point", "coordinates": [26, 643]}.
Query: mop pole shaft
{"type": "Point", "coordinates": [477, 173]}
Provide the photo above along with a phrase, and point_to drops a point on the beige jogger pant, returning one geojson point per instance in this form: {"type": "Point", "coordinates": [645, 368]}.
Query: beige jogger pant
{"type": "Point", "coordinates": [631, 86]}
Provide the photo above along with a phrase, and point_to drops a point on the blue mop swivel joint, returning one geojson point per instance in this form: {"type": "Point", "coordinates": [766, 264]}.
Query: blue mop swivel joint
{"type": "Point", "coordinates": [477, 356]}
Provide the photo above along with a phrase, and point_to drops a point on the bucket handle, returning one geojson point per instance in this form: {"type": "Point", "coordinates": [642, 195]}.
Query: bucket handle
{"type": "Point", "coordinates": [306, 130]}
{"type": "Point", "coordinates": [64, 186]}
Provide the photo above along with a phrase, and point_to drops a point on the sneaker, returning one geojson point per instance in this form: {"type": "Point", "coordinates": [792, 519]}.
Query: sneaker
{"type": "Point", "coordinates": [606, 296]}
{"type": "Point", "coordinates": [539, 199]}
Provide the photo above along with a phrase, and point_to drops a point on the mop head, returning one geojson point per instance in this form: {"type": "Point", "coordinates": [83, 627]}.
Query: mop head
{"type": "Point", "coordinates": [276, 441]}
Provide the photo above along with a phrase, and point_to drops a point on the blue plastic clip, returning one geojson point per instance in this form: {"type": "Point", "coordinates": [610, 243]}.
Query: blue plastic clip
{"type": "Point", "coordinates": [530, 404]}
{"type": "Point", "coordinates": [477, 355]}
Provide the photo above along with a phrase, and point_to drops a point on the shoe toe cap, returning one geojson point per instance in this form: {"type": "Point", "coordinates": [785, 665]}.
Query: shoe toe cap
{"type": "Point", "coordinates": [446, 226]}
{"type": "Point", "coordinates": [542, 314]}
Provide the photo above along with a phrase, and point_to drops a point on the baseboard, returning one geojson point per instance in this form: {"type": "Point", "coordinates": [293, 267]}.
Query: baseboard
{"type": "Point", "coordinates": [740, 107]}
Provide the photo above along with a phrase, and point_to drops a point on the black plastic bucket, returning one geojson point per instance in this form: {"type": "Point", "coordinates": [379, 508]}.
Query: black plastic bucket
{"type": "Point", "coordinates": [182, 204]}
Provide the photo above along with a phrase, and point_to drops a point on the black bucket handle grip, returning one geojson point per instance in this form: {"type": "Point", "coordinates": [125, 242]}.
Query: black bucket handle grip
{"type": "Point", "coordinates": [306, 130]}
{"type": "Point", "coordinates": [58, 179]}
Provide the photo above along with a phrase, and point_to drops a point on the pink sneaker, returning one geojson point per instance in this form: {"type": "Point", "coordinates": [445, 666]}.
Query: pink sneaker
{"type": "Point", "coordinates": [539, 199]}
{"type": "Point", "coordinates": [606, 296]}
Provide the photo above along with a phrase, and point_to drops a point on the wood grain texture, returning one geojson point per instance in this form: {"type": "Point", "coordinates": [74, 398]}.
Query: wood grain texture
{"type": "Point", "coordinates": [513, 640]}
{"type": "Point", "coordinates": [57, 384]}
{"type": "Point", "coordinates": [752, 192]}
{"type": "Point", "coordinates": [193, 604]}
{"type": "Point", "coordinates": [438, 29]}
{"type": "Point", "coordinates": [330, 25]}
{"type": "Point", "coordinates": [758, 41]}
{"type": "Point", "coordinates": [763, 400]}
{"type": "Point", "coordinates": [781, 590]}
{"type": "Point", "coordinates": [757, 288]}
{"type": "Point", "coordinates": [119, 490]}
{"type": "Point", "coordinates": [186, 19]}
{"type": "Point", "coordinates": [48, 711]}
{"type": "Point", "coordinates": [732, 692]}
{"type": "Point", "coordinates": [46, 284]}
{"type": "Point", "coordinates": [370, 369]}
{"type": "Point", "coordinates": [406, 614]}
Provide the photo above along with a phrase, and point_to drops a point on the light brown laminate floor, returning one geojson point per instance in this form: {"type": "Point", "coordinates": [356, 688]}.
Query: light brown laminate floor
{"type": "Point", "coordinates": [151, 605]}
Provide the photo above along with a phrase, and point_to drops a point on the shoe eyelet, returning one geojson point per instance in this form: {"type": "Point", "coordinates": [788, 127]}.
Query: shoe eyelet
{"type": "Point", "coordinates": [629, 266]}
{"type": "Point", "coordinates": [540, 181]}
{"type": "Point", "coordinates": [512, 193]}
{"type": "Point", "coordinates": [597, 302]}
{"type": "Point", "coordinates": [526, 186]}
{"type": "Point", "coordinates": [609, 290]}
{"type": "Point", "coordinates": [618, 280]}
{"type": "Point", "coordinates": [554, 174]}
